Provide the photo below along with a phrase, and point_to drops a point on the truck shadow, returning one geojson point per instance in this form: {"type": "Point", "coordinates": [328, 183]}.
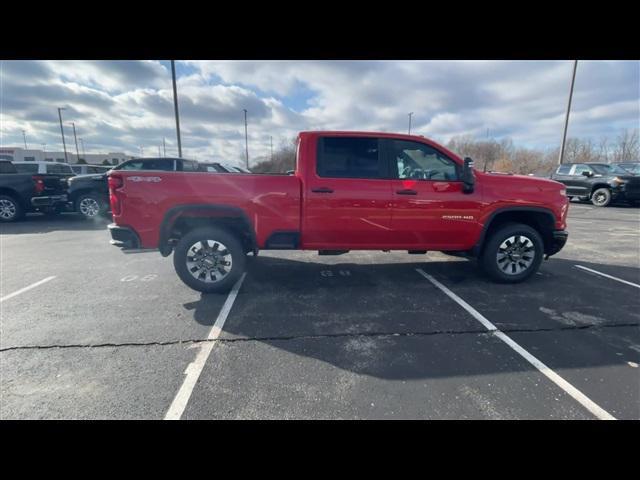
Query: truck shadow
{"type": "Point", "coordinates": [387, 321]}
{"type": "Point", "coordinates": [40, 223]}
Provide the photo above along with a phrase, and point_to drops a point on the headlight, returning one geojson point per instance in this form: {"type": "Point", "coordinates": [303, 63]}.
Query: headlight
{"type": "Point", "coordinates": [563, 192]}
{"type": "Point", "coordinates": [618, 181]}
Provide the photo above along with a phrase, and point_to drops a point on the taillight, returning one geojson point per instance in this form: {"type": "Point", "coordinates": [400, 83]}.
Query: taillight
{"type": "Point", "coordinates": [114, 182]}
{"type": "Point", "coordinates": [39, 184]}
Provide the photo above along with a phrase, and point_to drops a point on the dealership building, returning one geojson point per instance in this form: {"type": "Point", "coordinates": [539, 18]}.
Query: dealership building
{"type": "Point", "coordinates": [16, 154]}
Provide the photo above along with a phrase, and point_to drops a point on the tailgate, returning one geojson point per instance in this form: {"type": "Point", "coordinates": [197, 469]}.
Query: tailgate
{"type": "Point", "coordinates": [54, 184]}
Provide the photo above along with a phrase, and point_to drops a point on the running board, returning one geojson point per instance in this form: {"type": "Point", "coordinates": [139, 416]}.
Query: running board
{"type": "Point", "coordinates": [332, 252]}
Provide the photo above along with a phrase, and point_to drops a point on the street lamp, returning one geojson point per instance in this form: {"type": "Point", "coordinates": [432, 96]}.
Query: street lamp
{"type": "Point", "coordinates": [410, 113]}
{"type": "Point", "coordinates": [246, 138]}
{"type": "Point", "coordinates": [64, 144]}
{"type": "Point", "coordinates": [24, 136]}
{"type": "Point", "coordinates": [175, 105]}
{"type": "Point", "coordinates": [566, 118]}
{"type": "Point", "coordinates": [76, 140]}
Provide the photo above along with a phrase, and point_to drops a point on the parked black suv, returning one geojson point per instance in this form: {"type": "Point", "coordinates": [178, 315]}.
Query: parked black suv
{"type": "Point", "coordinates": [601, 183]}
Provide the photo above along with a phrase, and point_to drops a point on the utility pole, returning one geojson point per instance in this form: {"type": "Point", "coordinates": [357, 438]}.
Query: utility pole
{"type": "Point", "coordinates": [64, 144]}
{"type": "Point", "coordinates": [159, 155]}
{"type": "Point", "coordinates": [141, 151]}
{"type": "Point", "coordinates": [410, 114]}
{"type": "Point", "coordinates": [76, 140]}
{"type": "Point", "coordinates": [175, 105]}
{"type": "Point", "coordinates": [24, 136]}
{"type": "Point", "coordinates": [566, 118]}
{"type": "Point", "coordinates": [164, 147]}
{"type": "Point", "coordinates": [246, 138]}
{"type": "Point", "coordinates": [271, 139]}
{"type": "Point", "coordinates": [84, 155]}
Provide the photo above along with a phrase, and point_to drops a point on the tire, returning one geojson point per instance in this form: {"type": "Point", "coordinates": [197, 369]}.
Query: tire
{"type": "Point", "coordinates": [601, 197]}
{"type": "Point", "coordinates": [10, 209]}
{"type": "Point", "coordinates": [525, 260]}
{"type": "Point", "coordinates": [187, 257]}
{"type": "Point", "coordinates": [90, 205]}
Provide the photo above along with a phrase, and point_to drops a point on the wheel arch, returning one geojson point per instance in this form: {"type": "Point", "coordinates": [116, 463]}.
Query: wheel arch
{"type": "Point", "coordinates": [539, 218]}
{"type": "Point", "coordinates": [8, 192]}
{"type": "Point", "coordinates": [179, 220]}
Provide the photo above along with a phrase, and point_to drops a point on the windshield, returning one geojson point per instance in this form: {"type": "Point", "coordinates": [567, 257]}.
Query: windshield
{"type": "Point", "coordinates": [605, 169]}
{"type": "Point", "coordinates": [631, 167]}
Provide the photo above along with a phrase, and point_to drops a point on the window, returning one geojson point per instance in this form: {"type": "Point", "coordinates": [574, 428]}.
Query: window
{"type": "Point", "coordinates": [76, 170]}
{"type": "Point", "coordinates": [48, 159]}
{"type": "Point", "coordinates": [26, 168]}
{"type": "Point", "coordinates": [189, 166]}
{"type": "Point", "coordinates": [563, 170]}
{"type": "Point", "coordinates": [579, 168]}
{"type": "Point", "coordinates": [60, 160]}
{"type": "Point", "coordinates": [114, 161]}
{"type": "Point", "coordinates": [421, 162]}
{"type": "Point", "coordinates": [7, 167]}
{"type": "Point", "coordinates": [64, 169]}
{"type": "Point", "coordinates": [29, 159]}
{"type": "Point", "coordinates": [155, 164]}
{"type": "Point", "coordinates": [345, 157]}
{"type": "Point", "coordinates": [606, 169]}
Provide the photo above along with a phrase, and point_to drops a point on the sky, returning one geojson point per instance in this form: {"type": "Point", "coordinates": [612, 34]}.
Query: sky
{"type": "Point", "coordinates": [121, 106]}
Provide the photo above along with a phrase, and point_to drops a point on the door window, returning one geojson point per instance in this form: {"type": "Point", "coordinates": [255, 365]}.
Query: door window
{"type": "Point", "coordinates": [581, 168]}
{"type": "Point", "coordinates": [418, 161]}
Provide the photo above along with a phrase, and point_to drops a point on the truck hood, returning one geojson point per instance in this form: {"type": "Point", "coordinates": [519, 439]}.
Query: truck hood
{"type": "Point", "coordinates": [510, 179]}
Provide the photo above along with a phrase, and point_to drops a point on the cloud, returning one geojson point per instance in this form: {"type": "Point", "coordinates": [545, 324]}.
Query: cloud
{"type": "Point", "coordinates": [122, 105]}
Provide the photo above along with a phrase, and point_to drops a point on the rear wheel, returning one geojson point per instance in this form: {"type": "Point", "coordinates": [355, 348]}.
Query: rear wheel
{"type": "Point", "coordinates": [513, 253]}
{"type": "Point", "coordinates": [601, 197]}
{"type": "Point", "coordinates": [90, 205]}
{"type": "Point", "coordinates": [209, 260]}
{"type": "Point", "coordinates": [10, 209]}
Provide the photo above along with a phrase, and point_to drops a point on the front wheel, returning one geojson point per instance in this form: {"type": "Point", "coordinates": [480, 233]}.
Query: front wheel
{"type": "Point", "coordinates": [209, 260]}
{"type": "Point", "coordinates": [601, 197]}
{"type": "Point", "coordinates": [513, 253]}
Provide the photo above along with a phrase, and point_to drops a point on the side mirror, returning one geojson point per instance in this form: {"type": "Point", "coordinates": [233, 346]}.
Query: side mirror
{"type": "Point", "coordinates": [468, 177]}
{"type": "Point", "coordinates": [587, 173]}
{"type": "Point", "coordinates": [290, 172]}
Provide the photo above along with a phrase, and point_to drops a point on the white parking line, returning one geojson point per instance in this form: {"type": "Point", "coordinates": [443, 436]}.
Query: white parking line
{"type": "Point", "coordinates": [542, 368]}
{"type": "Point", "coordinates": [22, 290]}
{"type": "Point", "coordinates": [608, 276]}
{"type": "Point", "coordinates": [194, 369]}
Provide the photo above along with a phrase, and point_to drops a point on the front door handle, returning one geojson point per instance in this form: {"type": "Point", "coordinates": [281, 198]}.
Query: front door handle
{"type": "Point", "coordinates": [407, 192]}
{"type": "Point", "coordinates": [322, 190]}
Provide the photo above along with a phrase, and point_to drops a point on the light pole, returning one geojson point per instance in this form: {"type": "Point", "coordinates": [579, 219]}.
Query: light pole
{"type": "Point", "coordinates": [84, 155]}
{"type": "Point", "coordinates": [76, 140]}
{"type": "Point", "coordinates": [175, 105]}
{"type": "Point", "coordinates": [271, 140]}
{"type": "Point", "coordinates": [410, 113]}
{"type": "Point", "coordinates": [64, 144]}
{"type": "Point", "coordinates": [246, 138]}
{"type": "Point", "coordinates": [566, 118]}
{"type": "Point", "coordinates": [24, 136]}
{"type": "Point", "coordinates": [164, 147]}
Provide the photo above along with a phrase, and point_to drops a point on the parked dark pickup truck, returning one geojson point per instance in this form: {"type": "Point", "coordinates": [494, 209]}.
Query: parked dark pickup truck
{"type": "Point", "coordinates": [25, 192]}
{"type": "Point", "coordinates": [601, 183]}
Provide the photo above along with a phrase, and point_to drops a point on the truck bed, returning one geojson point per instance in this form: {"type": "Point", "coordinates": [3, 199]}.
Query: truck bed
{"type": "Point", "coordinates": [270, 202]}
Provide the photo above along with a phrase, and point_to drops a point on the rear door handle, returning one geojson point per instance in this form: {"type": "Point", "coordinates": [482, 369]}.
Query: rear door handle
{"type": "Point", "coordinates": [407, 192]}
{"type": "Point", "coordinates": [322, 190]}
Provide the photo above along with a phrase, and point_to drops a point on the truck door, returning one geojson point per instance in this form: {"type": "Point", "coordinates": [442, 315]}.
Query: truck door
{"type": "Point", "coordinates": [577, 183]}
{"type": "Point", "coordinates": [347, 195]}
{"type": "Point", "coordinates": [429, 208]}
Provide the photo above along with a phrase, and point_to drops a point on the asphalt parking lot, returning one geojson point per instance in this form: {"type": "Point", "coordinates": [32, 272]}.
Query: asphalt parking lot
{"type": "Point", "coordinates": [367, 335]}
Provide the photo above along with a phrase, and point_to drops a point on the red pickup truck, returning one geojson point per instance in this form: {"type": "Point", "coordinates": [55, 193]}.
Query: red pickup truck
{"type": "Point", "coordinates": [350, 191]}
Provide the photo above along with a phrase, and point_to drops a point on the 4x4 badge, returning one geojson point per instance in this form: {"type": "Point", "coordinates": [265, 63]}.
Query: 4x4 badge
{"type": "Point", "coordinates": [145, 179]}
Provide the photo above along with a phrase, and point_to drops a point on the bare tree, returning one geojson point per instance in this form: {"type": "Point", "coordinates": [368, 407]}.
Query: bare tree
{"type": "Point", "coordinates": [627, 147]}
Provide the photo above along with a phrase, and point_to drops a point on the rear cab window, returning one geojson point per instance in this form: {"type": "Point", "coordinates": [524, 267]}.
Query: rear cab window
{"type": "Point", "coordinates": [563, 170]}
{"type": "Point", "coordinates": [350, 157]}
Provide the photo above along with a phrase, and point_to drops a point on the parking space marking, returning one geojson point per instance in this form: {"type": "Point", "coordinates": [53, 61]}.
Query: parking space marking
{"type": "Point", "coordinates": [580, 397]}
{"type": "Point", "coordinates": [194, 369]}
{"type": "Point", "coordinates": [22, 290]}
{"type": "Point", "coordinates": [608, 276]}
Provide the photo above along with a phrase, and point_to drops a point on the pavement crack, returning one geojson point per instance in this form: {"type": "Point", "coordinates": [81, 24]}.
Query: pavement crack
{"type": "Point", "coordinates": [478, 331]}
